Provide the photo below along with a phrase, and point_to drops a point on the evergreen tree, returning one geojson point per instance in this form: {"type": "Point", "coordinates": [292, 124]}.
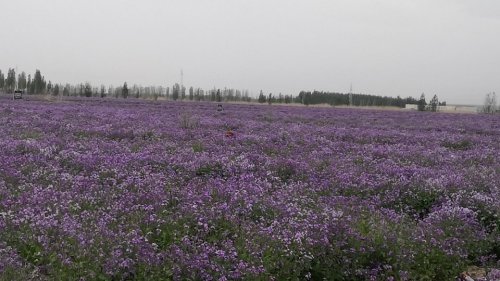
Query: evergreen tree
{"type": "Point", "coordinates": [213, 95]}
{"type": "Point", "coordinates": [28, 84]}
{"type": "Point", "coordinates": [280, 98]}
{"type": "Point", "coordinates": [183, 93]}
{"type": "Point", "coordinates": [433, 104]}
{"type": "Point", "coordinates": [288, 99]}
{"type": "Point", "coordinates": [191, 93]}
{"type": "Point", "coordinates": [21, 81]}
{"type": "Point", "coordinates": [422, 103]}
{"type": "Point", "coordinates": [10, 82]}
{"type": "Point", "coordinates": [125, 90]}
{"type": "Point", "coordinates": [2, 81]}
{"type": "Point", "coordinates": [49, 87]}
{"type": "Point", "coordinates": [197, 95]}
{"type": "Point", "coordinates": [262, 98]}
{"type": "Point", "coordinates": [38, 83]}
{"type": "Point", "coordinates": [176, 91]}
{"type": "Point", "coordinates": [87, 90]}
{"type": "Point", "coordinates": [218, 96]}
{"type": "Point", "coordinates": [307, 99]}
{"type": "Point", "coordinates": [270, 99]}
{"type": "Point", "coordinates": [56, 90]}
{"type": "Point", "coordinates": [137, 91]}
{"type": "Point", "coordinates": [103, 91]}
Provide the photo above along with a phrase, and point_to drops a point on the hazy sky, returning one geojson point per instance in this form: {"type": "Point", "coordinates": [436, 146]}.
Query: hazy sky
{"type": "Point", "coordinates": [387, 47]}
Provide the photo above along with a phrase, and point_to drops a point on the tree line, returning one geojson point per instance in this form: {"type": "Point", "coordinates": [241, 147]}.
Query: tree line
{"type": "Point", "coordinates": [339, 99]}
{"type": "Point", "coordinates": [37, 84]}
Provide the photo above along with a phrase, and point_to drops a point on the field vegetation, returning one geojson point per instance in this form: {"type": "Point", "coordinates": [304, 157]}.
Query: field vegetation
{"type": "Point", "coordinates": [105, 189]}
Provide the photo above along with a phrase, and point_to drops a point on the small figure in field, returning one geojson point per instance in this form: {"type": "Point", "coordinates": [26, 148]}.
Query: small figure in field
{"type": "Point", "coordinates": [219, 108]}
{"type": "Point", "coordinates": [230, 133]}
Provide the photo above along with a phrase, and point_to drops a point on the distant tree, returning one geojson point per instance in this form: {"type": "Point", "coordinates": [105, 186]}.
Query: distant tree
{"type": "Point", "coordinates": [66, 90]}
{"type": "Point", "coordinates": [21, 81]}
{"type": "Point", "coordinates": [10, 82]}
{"type": "Point", "coordinates": [2, 81]}
{"type": "Point", "coordinates": [288, 99]}
{"type": "Point", "coordinates": [103, 91]}
{"type": "Point", "coordinates": [422, 103]}
{"type": "Point", "coordinates": [280, 98]}
{"type": "Point", "coordinates": [198, 95]}
{"type": "Point", "coordinates": [218, 96]}
{"type": "Point", "coordinates": [87, 90]}
{"type": "Point", "coordinates": [270, 99]}
{"type": "Point", "coordinates": [183, 93]}
{"type": "Point", "coordinates": [38, 83]}
{"type": "Point", "coordinates": [49, 87]}
{"type": "Point", "coordinates": [433, 104]}
{"type": "Point", "coordinates": [111, 90]}
{"type": "Point", "coordinates": [308, 98]}
{"type": "Point", "coordinates": [125, 90]}
{"type": "Point", "coordinates": [136, 89]}
{"type": "Point", "coordinates": [191, 93]}
{"type": "Point", "coordinates": [213, 95]}
{"type": "Point", "coordinates": [28, 84]}
{"type": "Point", "coordinates": [262, 98]}
{"type": "Point", "coordinates": [490, 103]}
{"type": "Point", "coordinates": [176, 91]}
{"type": "Point", "coordinates": [56, 90]}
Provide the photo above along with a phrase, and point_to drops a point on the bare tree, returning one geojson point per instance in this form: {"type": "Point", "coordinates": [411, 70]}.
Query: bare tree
{"type": "Point", "coordinates": [490, 103]}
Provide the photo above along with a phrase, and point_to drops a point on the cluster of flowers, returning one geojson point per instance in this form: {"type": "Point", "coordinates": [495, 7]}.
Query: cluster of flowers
{"type": "Point", "coordinates": [119, 190]}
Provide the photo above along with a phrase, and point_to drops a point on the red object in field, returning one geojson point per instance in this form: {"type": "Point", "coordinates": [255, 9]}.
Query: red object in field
{"type": "Point", "coordinates": [229, 134]}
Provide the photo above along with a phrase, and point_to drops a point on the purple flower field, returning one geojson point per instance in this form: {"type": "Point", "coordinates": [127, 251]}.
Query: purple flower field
{"type": "Point", "coordinates": [139, 190]}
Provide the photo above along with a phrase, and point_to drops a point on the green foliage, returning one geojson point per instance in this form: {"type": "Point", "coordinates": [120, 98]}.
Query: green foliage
{"type": "Point", "coordinates": [148, 136]}
{"type": "Point", "coordinates": [214, 170]}
{"type": "Point", "coordinates": [287, 172]}
{"type": "Point", "coordinates": [434, 264]}
{"type": "Point", "coordinates": [458, 145]}
{"type": "Point", "coordinates": [262, 214]}
{"type": "Point", "coordinates": [171, 232]}
{"type": "Point", "coordinates": [418, 201]}
{"type": "Point", "coordinates": [197, 147]}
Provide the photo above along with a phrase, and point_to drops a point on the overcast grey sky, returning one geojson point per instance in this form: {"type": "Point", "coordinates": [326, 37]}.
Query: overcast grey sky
{"type": "Point", "coordinates": [388, 47]}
